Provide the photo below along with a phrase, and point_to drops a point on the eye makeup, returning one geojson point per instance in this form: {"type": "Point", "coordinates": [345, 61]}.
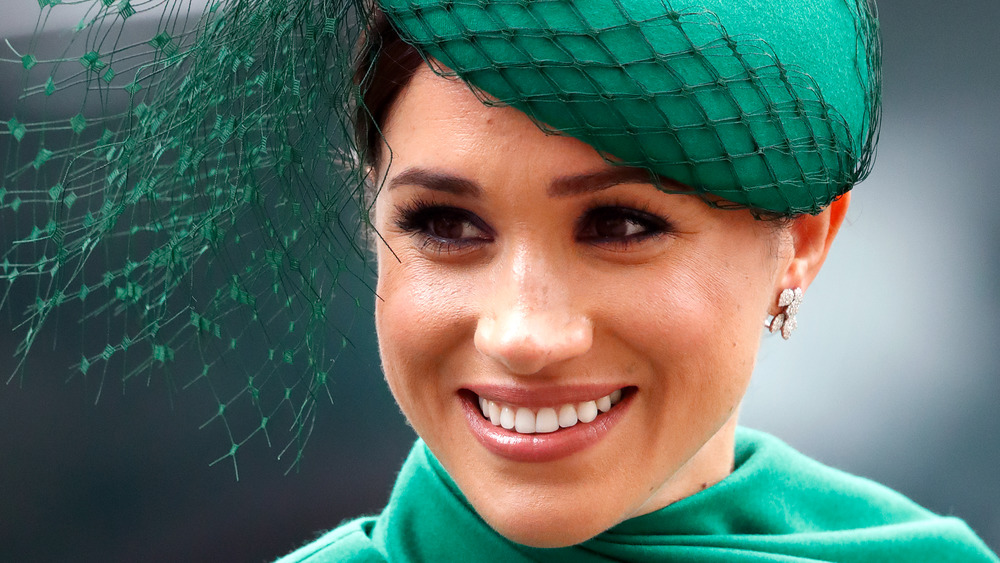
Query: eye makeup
{"type": "Point", "coordinates": [441, 228]}
{"type": "Point", "coordinates": [620, 226]}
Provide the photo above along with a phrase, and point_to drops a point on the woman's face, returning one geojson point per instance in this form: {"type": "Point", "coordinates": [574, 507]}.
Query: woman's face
{"type": "Point", "coordinates": [524, 275]}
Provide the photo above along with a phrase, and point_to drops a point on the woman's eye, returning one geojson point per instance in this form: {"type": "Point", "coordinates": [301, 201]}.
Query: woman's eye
{"type": "Point", "coordinates": [450, 226]}
{"type": "Point", "coordinates": [620, 225]}
{"type": "Point", "coordinates": [443, 228]}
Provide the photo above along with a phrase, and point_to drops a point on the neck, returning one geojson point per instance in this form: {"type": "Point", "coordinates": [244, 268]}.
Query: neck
{"type": "Point", "coordinates": [713, 463]}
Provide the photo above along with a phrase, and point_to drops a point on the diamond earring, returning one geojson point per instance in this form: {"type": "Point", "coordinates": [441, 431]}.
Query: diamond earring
{"type": "Point", "coordinates": [789, 301]}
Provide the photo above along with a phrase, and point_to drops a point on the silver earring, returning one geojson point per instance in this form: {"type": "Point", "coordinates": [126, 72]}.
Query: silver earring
{"type": "Point", "coordinates": [789, 301]}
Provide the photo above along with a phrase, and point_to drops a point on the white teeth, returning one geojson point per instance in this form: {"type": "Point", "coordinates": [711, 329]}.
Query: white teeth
{"type": "Point", "coordinates": [567, 416]}
{"type": "Point", "coordinates": [507, 417]}
{"type": "Point", "coordinates": [604, 404]}
{"type": "Point", "coordinates": [615, 396]}
{"type": "Point", "coordinates": [548, 419]}
{"type": "Point", "coordinates": [524, 421]}
{"type": "Point", "coordinates": [586, 411]}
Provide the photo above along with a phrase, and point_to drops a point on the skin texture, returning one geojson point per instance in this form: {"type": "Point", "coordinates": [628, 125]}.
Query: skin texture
{"type": "Point", "coordinates": [526, 290]}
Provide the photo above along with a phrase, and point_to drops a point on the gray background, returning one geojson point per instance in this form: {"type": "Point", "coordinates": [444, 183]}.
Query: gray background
{"type": "Point", "coordinates": [892, 374]}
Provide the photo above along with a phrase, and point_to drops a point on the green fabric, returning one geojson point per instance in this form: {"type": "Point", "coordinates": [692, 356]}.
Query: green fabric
{"type": "Point", "coordinates": [777, 505]}
{"type": "Point", "coordinates": [768, 104]}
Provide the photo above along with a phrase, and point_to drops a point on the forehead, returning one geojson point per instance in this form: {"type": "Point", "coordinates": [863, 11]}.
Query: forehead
{"type": "Point", "coordinates": [432, 97]}
{"type": "Point", "coordinates": [440, 120]}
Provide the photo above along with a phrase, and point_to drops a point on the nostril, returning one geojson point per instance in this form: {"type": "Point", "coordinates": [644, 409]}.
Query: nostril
{"type": "Point", "coordinates": [518, 351]}
{"type": "Point", "coordinates": [526, 344]}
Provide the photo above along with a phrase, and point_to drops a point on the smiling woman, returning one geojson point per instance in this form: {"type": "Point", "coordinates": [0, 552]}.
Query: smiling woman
{"type": "Point", "coordinates": [482, 303]}
{"type": "Point", "coordinates": [586, 213]}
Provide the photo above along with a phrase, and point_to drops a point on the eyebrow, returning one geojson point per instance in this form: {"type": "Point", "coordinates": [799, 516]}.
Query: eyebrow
{"type": "Point", "coordinates": [437, 181]}
{"type": "Point", "coordinates": [563, 186]}
{"type": "Point", "coordinates": [596, 181]}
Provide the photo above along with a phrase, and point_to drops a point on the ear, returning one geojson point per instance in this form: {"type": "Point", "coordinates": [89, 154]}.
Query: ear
{"type": "Point", "coordinates": [812, 236]}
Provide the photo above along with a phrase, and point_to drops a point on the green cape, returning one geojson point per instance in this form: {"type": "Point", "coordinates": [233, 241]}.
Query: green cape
{"type": "Point", "coordinates": [777, 505]}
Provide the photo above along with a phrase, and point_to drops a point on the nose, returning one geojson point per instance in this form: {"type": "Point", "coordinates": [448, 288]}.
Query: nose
{"type": "Point", "coordinates": [530, 319]}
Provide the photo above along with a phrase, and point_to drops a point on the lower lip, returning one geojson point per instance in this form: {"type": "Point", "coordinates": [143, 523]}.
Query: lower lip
{"type": "Point", "coordinates": [541, 447]}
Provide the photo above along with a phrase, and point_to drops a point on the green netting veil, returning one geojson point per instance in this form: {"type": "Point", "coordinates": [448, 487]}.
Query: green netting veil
{"type": "Point", "coordinates": [180, 197]}
{"type": "Point", "coordinates": [181, 192]}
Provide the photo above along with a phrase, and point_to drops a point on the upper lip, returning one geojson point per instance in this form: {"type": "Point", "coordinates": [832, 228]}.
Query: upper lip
{"type": "Point", "coordinates": [543, 395]}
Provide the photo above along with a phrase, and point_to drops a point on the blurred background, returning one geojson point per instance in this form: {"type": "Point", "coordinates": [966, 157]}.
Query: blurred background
{"type": "Point", "coordinates": [893, 373]}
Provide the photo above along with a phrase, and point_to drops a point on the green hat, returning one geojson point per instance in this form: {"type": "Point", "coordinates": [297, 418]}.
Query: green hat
{"type": "Point", "coordinates": [772, 105]}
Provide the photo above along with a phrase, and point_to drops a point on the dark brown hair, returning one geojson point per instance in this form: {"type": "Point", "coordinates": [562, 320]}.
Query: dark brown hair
{"type": "Point", "coordinates": [385, 65]}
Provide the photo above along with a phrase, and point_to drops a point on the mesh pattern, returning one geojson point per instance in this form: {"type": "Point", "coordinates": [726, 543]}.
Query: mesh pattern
{"type": "Point", "coordinates": [666, 86]}
{"type": "Point", "coordinates": [184, 185]}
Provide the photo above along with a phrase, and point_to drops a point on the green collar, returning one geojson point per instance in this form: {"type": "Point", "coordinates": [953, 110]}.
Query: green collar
{"type": "Point", "coordinates": [777, 505]}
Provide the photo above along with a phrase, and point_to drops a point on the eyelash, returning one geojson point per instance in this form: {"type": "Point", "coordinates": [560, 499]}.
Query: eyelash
{"type": "Point", "coordinates": [414, 219]}
{"type": "Point", "coordinates": [653, 225]}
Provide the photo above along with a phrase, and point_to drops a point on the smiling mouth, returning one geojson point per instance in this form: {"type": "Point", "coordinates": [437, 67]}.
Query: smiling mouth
{"type": "Point", "coordinates": [545, 420]}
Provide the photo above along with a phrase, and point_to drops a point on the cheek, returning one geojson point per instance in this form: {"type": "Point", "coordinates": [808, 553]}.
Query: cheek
{"type": "Point", "coordinates": [695, 303]}
{"type": "Point", "coordinates": [698, 322]}
{"type": "Point", "coordinates": [419, 316]}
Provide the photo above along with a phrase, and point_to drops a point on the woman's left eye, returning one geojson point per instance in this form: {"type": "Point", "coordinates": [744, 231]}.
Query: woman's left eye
{"type": "Point", "coordinates": [620, 225]}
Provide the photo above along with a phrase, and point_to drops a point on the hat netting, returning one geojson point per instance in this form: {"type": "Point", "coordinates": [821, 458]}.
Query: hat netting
{"type": "Point", "coordinates": [181, 175]}
{"type": "Point", "coordinates": [181, 178]}
{"type": "Point", "coordinates": [768, 105]}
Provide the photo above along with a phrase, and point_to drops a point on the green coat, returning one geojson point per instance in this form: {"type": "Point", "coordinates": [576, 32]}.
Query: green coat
{"type": "Point", "coordinates": [777, 505]}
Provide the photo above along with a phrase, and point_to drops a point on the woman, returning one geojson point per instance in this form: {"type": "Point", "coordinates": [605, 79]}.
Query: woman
{"type": "Point", "coordinates": [571, 337]}
{"type": "Point", "coordinates": [568, 309]}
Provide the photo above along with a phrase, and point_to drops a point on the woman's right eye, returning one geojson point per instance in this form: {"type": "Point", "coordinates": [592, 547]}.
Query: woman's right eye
{"type": "Point", "coordinates": [442, 228]}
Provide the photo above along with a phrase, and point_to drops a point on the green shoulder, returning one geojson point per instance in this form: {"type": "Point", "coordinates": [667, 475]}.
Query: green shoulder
{"type": "Point", "coordinates": [350, 542]}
